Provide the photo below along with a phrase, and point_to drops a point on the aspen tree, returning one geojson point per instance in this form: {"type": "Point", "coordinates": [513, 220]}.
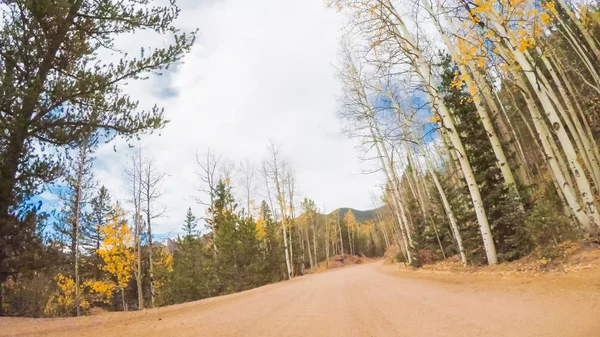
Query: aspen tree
{"type": "Point", "coordinates": [422, 69]}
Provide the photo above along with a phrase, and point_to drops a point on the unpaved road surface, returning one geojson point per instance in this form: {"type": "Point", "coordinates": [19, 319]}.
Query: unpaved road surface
{"type": "Point", "coordinates": [365, 300]}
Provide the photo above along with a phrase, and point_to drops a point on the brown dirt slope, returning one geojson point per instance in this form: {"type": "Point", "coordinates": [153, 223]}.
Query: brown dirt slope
{"type": "Point", "coordinates": [368, 299]}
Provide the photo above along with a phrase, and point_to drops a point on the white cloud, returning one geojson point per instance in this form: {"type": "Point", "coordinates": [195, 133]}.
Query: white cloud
{"type": "Point", "coordinates": [259, 70]}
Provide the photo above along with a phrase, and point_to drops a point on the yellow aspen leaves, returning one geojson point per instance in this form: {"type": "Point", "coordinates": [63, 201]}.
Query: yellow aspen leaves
{"type": "Point", "coordinates": [116, 248]}
{"type": "Point", "coordinates": [64, 301]}
{"type": "Point", "coordinates": [99, 291]}
{"type": "Point", "coordinates": [434, 119]}
{"type": "Point", "coordinates": [473, 90]}
{"type": "Point", "coordinates": [545, 18]}
{"type": "Point", "coordinates": [260, 229]}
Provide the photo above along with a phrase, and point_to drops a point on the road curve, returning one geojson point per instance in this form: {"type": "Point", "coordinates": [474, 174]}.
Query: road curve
{"type": "Point", "coordinates": [365, 300]}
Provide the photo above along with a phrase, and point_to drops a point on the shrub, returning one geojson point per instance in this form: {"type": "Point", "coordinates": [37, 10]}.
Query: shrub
{"type": "Point", "coordinates": [549, 230]}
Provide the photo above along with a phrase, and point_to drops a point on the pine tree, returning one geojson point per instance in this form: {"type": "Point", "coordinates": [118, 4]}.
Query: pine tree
{"type": "Point", "coordinates": [274, 256]}
{"type": "Point", "coordinates": [190, 224]}
{"type": "Point", "coordinates": [194, 271]}
{"type": "Point", "coordinates": [501, 206]}
{"type": "Point", "coordinates": [101, 213]}
{"type": "Point", "coordinates": [56, 91]}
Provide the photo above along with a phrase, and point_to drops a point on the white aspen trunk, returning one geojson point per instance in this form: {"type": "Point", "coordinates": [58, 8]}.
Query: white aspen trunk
{"type": "Point", "coordinates": [137, 199]}
{"type": "Point", "coordinates": [587, 139]}
{"type": "Point", "coordinates": [327, 238]}
{"type": "Point", "coordinates": [310, 258]}
{"type": "Point", "coordinates": [393, 176]}
{"type": "Point", "coordinates": [457, 174]}
{"type": "Point", "coordinates": [301, 235]}
{"type": "Point", "coordinates": [350, 240]}
{"type": "Point", "coordinates": [583, 184]}
{"type": "Point", "coordinates": [123, 299]}
{"type": "Point", "coordinates": [281, 202]}
{"type": "Point", "coordinates": [553, 160]}
{"type": "Point", "coordinates": [287, 254]}
{"type": "Point", "coordinates": [291, 250]}
{"type": "Point", "coordinates": [315, 256]}
{"type": "Point", "coordinates": [383, 230]}
{"type": "Point", "coordinates": [577, 133]}
{"type": "Point", "coordinates": [423, 70]}
{"type": "Point", "coordinates": [415, 179]}
{"type": "Point", "coordinates": [582, 30]}
{"type": "Point", "coordinates": [480, 82]}
{"type": "Point", "coordinates": [502, 162]}
{"type": "Point", "coordinates": [573, 93]}
{"type": "Point", "coordinates": [445, 203]}
{"type": "Point", "coordinates": [339, 228]}
{"type": "Point", "coordinates": [150, 245]}
{"type": "Point", "coordinates": [388, 169]}
{"type": "Point", "coordinates": [138, 272]}
{"type": "Point", "coordinates": [576, 46]}
{"type": "Point", "coordinates": [524, 172]}
{"type": "Point", "coordinates": [397, 205]}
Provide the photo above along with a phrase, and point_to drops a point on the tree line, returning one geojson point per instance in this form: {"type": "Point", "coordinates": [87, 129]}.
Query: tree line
{"type": "Point", "coordinates": [483, 117]}
{"type": "Point", "coordinates": [99, 252]}
{"type": "Point", "coordinates": [61, 98]}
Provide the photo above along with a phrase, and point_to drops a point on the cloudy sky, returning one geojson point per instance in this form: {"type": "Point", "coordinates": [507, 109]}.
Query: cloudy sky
{"type": "Point", "coordinates": [260, 70]}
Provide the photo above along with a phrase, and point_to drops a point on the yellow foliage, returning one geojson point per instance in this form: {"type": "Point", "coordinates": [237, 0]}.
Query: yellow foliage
{"type": "Point", "coordinates": [545, 18]}
{"type": "Point", "coordinates": [473, 90]}
{"type": "Point", "coordinates": [260, 229]}
{"type": "Point", "coordinates": [101, 291]}
{"type": "Point", "coordinates": [482, 6]}
{"type": "Point", "coordinates": [569, 247]}
{"type": "Point", "coordinates": [115, 251]}
{"type": "Point", "coordinates": [64, 301]}
{"type": "Point", "coordinates": [434, 119]}
{"type": "Point", "coordinates": [550, 6]}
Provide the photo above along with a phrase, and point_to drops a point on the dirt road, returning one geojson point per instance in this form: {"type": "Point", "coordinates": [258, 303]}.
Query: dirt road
{"type": "Point", "coordinates": [365, 300]}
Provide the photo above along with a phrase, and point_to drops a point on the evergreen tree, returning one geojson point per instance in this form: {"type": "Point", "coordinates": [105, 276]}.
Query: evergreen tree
{"type": "Point", "coordinates": [56, 91]}
{"type": "Point", "coordinates": [190, 224]}
{"type": "Point", "coordinates": [79, 184]}
{"type": "Point", "coordinates": [101, 211]}
{"type": "Point", "coordinates": [193, 271]}
{"type": "Point", "coordinates": [500, 205]}
{"type": "Point", "coordinates": [274, 262]}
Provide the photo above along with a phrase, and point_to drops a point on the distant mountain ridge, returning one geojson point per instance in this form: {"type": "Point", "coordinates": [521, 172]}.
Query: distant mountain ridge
{"type": "Point", "coordinates": [361, 216]}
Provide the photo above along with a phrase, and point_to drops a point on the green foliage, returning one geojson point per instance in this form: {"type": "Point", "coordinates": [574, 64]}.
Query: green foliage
{"type": "Point", "coordinates": [247, 254]}
{"type": "Point", "coordinates": [547, 227]}
{"type": "Point", "coordinates": [501, 207]}
{"type": "Point", "coordinates": [193, 275]}
{"type": "Point", "coordinates": [190, 224]}
{"type": "Point", "coordinates": [101, 214]}
{"type": "Point", "coordinates": [274, 262]}
{"type": "Point", "coordinates": [27, 296]}
{"type": "Point", "coordinates": [56, 90]}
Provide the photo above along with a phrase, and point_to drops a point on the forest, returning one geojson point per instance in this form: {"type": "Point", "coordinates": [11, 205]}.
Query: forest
{"type": "Point", "coordinates": [481, 116]}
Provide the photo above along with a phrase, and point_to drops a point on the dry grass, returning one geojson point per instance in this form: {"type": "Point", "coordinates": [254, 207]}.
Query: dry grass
{"type": "Point", "coordinates": [576, 257]}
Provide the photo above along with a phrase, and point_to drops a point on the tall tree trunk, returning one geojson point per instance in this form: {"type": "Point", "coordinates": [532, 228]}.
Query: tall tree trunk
{"type": "Point", "coordinates": [582, 30]}
{"type": "Point", "coordinates": [396, 204]}
{"type": "Point", "coordinates": [340, 231]}
{"type": "Point", "coordinates": [446, 204]}
{"type": "Point", "coordinates": [150, 253]}
{"type": "Point", "coordinates": [327, 239]}
{"type": "Point", "coordinates": [423, 70]}
{"type": "Point", "coordinates": [138, 273]}
{"type": "Point", "coordinates": [583, 185]}
{"type": "Point", "coordinates": [310, 256]}
{"type": "Point", "coordinates": [315, 256]}
{"type": "Point", "coordinates": [553, 160]}
{"type": "Point", "coordinates": [486, 121]}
